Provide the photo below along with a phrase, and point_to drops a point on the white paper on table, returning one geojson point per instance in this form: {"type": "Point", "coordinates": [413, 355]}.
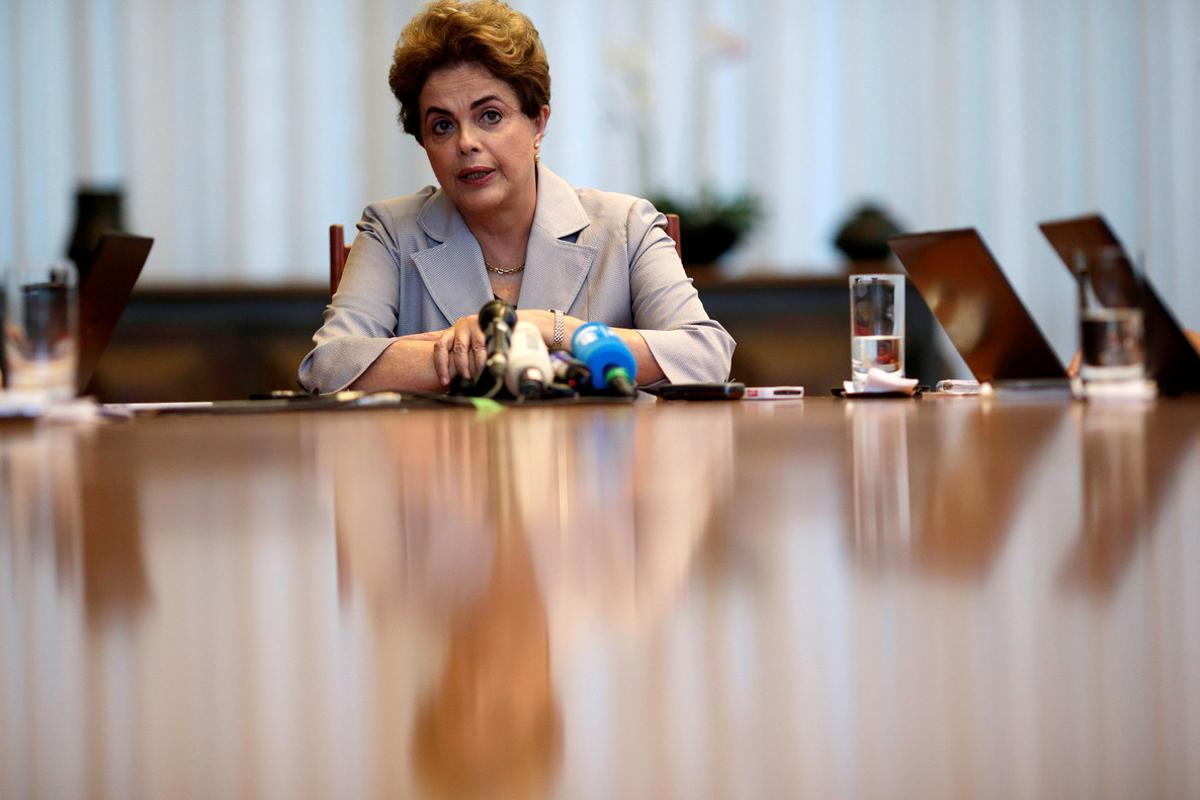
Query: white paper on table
{"type": "Point", "coordinates": [880, 381]}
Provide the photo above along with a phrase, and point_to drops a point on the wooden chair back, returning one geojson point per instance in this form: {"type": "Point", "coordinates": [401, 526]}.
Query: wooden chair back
{"type": "Point", "coordinates": [339, 251]}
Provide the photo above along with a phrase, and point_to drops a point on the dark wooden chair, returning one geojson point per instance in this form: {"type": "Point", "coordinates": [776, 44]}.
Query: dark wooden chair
{"type": "Point", "coordinates": [339, 251]}
{"type": "Point", "coordinates": [674, 233]}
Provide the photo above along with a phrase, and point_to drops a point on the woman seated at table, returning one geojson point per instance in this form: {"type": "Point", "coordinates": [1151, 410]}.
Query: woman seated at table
{"type": "Point", "coordinates": [473, 85]}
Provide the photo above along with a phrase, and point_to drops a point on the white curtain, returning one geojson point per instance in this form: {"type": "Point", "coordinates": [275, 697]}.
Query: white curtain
{"type": "Point", "coordinates": [242, 128]}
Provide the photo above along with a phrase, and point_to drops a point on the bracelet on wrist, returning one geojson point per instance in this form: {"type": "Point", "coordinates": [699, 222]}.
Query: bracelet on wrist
{"type": "Point", "coordinates": [560, 330]}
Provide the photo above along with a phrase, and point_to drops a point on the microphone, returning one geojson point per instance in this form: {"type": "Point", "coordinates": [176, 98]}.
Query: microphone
{"type": "Point", "coordinates": [497, 319]}
{"type": "Point", "coordinates": [529, 368]}
{"type": "Point", "coordinates": [609, 359]}
{"type": "Point", "coordinates": [568, 370]}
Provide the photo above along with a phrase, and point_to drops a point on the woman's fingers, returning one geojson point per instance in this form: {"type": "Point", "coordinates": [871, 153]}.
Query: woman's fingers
{"type": "Point", "coordinates": [461, 350]}
{"type": "Point", "coordinates": [441, 355]}
{"type": "Point", "coordinates": [474, 350]}
{"type": "Point", "coordinates": [466, 332]}
{"type": "Point", "coordinates": [478, 351]}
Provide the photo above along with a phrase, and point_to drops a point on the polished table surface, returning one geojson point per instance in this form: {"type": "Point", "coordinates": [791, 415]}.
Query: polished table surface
{"type": "Point", "coordinates": [934, 598]}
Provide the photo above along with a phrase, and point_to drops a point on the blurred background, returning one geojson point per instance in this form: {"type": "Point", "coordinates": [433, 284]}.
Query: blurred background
{"type": "Point", "coordinates": [238, 131]}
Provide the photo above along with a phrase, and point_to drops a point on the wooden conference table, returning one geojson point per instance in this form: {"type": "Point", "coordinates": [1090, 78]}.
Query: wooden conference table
{"type": "Point", "coordinates": [934, 598]}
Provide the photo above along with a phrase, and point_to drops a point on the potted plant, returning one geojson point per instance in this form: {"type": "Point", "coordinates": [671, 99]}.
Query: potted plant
{"type": "Point", "coordinates": [710, 225]}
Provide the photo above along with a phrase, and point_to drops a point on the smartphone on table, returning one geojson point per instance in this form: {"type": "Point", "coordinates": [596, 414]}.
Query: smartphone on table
{"type": "Point", "coordinates": [721, 390]}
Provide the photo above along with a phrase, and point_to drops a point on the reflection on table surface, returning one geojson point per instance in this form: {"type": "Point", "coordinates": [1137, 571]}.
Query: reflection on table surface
{"type": "Point", "coordinates": [936, 598]}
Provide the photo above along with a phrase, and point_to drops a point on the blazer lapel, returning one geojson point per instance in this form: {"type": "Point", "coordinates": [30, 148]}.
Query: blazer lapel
{"type": "Point", "coordinates": [555, 269]}
{"type": "Point", "coordinates": [453, 270]}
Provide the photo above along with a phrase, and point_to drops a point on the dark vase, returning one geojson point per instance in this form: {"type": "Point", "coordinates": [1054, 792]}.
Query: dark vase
{"type": "Point", "coordinates": [863, 237]}
{"type": "Point", "coordinates": [97, 212]}
{"type": "Point", "coordinates": [704, 243]}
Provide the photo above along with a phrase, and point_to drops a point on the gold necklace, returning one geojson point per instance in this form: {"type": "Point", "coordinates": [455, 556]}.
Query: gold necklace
{"type": "Point", "coordinates": [502, 270]}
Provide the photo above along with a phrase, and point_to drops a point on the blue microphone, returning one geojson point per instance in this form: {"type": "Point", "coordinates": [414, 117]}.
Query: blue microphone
{"type": "Point", "coordinates": [610, 360]}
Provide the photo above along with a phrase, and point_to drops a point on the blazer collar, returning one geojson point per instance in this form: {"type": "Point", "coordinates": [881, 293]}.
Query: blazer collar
{"type": "Point", "coordinates": [453, 271]}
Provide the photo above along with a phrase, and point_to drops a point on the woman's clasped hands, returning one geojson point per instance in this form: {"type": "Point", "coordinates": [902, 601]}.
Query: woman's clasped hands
{"type": "Point", "coordinates": [461, 349]}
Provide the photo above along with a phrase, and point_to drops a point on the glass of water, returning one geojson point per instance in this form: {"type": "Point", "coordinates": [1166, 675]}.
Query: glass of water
{"type": "Point", "coordinates": [40, 325]}
{"type": "Point", "coordinates": [1111, 337]}
{"type": "Point", "coordinates": [876, 326]}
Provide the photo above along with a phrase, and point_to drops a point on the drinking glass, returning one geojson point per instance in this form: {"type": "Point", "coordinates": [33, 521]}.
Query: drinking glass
{"type": "Point", "coordinates": [40, 324]}
{"type": "Point", "coordinates": [876, 326]}
{"type": "Point", "coordinates": [1111, 337]}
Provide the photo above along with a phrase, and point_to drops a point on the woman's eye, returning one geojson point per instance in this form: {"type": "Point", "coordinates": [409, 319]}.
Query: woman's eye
{"type": "Point", "coordinates": [440, 126]}
{"type": "Point", "coordinates": [491, 116]}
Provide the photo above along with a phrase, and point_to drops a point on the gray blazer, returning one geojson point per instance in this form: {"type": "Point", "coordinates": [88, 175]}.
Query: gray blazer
{"type": "Point", "coordinates": [603, 256]}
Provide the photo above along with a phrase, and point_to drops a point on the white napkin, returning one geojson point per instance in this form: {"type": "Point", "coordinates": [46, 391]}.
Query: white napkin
{"type": "Point", "coordinates": [22, 404]}
{"type": "Point", "coordinates": [1119, 391]}
{"type": "Point", "coordinates": [880, 381]}
{"type": "Point", "coordinates": [36, 404]}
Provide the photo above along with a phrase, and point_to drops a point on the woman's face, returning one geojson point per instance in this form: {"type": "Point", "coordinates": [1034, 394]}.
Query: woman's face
{"type": "Point", "coordinates": [480, 145]}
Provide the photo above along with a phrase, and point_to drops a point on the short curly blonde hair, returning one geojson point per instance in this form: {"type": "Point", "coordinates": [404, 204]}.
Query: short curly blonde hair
{"type": "Point", "coordinates": [484, 32]}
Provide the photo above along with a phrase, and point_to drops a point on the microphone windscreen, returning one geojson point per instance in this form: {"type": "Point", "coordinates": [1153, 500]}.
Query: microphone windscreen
{"type": "Point", "coordinates": [569, 370]}
{"type": "Point", "coordinates": [528, 360]}
{"type": "Point", "coordinates": [595, 344]}
{"type": "Point", "coordinates": [497, 310]}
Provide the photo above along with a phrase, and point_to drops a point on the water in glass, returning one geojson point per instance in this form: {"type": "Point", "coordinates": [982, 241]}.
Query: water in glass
{"type": "Point", "coordinates": [1111, 344]}
{"type": "Point", "coordinates": [885, 353]}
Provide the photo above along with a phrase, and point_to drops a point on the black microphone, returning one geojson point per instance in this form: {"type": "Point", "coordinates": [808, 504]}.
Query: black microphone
{"type": "Point", "coordinates": [497, 319]}
{"type": "Point", "coordinates": [570, 371]}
